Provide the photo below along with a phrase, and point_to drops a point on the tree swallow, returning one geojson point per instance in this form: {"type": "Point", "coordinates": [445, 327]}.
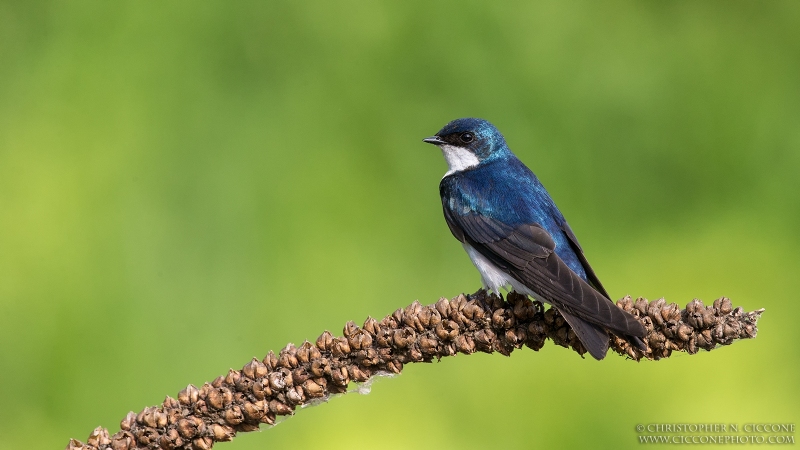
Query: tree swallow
{"type": "Point", "coordinates": [516, 236]}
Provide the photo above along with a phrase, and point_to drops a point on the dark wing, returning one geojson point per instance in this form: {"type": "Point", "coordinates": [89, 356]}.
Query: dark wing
{"type": "Point", "coordinates": [593, 280]}
{"type": "Point", "coordinates": [576, 247]}
{"type": "Point", "coordinates": [526, 252]}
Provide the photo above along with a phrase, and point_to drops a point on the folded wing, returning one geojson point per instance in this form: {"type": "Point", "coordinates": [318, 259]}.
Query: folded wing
{"type": "Point", "coordinates": [527, 252]}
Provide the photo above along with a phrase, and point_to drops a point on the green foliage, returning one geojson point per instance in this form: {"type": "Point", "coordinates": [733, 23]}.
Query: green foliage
{"type": "Point", "coordinates": [185, 185]}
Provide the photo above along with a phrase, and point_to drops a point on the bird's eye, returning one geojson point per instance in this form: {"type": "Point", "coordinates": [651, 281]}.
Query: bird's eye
{"type": "Point", "coordinates": [467, 137]}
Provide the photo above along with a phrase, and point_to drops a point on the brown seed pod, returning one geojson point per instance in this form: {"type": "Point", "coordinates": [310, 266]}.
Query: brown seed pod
{"type": "Point", "coordinates": [233, 415]}
{"type": "Point", "coordinates": [245, 427]}
{"type": "Point", "coordinates": [511, 339]}
{"type": "Point", "coordinates": [731, 330]}
{"type": "Point", "coordinates": [170, 403]}
{"type": "Point", "coordinates": [395, 366]}
{"type": "Point", "coordinates": [189, 395]}
{"type": "Point", "coordinates": [148, 417]}
{"type": "Point", "coordinates": [191, 427]}
{"type": "Point", "coordinates": [232, 377]}
{"type": "Point", "coordinates": [340, 377]}
{"type": "Point", "coordinates": [287, 357]}
{"type": "Point", "coordinates": [170, 440]}
{"type": "Point", "coordinates": [472, 311]}
{"type": "Point", "coordinates": [654, 311]}
{"type": "Point", "coordinates": [371, 325]}
{"type": "Point", "coordinates": [443, 306]}
{"type": "Point", "coordinates": [447, 330]}
{"type": "Point", "coordinates": [465, 344]}
{"type": "Point", "coordinates": [523, 308]}
{"type": "Point", "coordinates": [684, 332]}
{"type": "Point", "coordinates": [203, 443]}
{"type": "Point", "coordinates": [414, 355]}
{"type": "Point", "coordinates": [457, 304]}
{"type": "Point", "coordinates": [349, 328]}
{"type": "Point", "coordinates": [398, 317]}
{"type": "Point", "coordinates": [276, 381]}
{"type": "Point", "coordinates": [626, 303]}
{"type": "Point", "coordinates": [123, 440]}
{"type": "Point", "coordinates": [219, 398]}
{"type": "Point", "coordinates": [340, 347]}
{"type": "Point", "coordinates": [271, 361]}
{"type": "Point", "coordinates": [428, 345]}
{"type": "Point", "coordinates": [253, 411]}
{"type": "Point", "coordinates": [723, 305]}
{"type": "Point", "coordinates": [99, 437]}
{"type": "Point", "coordinates": [312, 389]}
{"type": "Point", "coordinates": [304, 354]}
{"type": "Point", "coordinates": [279, 408]}
{"type": "Point", "coordinates": [360, 340]}
{"type": "Point", "coordinates": [502, 318]}
{"type": "Point", "coordinates": [75, 444]}
{"type": "Point", "coordinates": [146, 435]}
{"type": "Point", "coordinates": [411, 315]}
{"type": "Point", "coordinates": [255, 369]}
{"type": "Point", "coordinates": [295, 395]}
{"type": "Point", "coordinates": [260, 391]}
{"type": "Point", "coordinates": [404, 337]}
{"type": "Point", "coordinates": [640, 305]}
{"type": "Point", "coordinates": [222, 433]}
{"type": "Point", "coordinates": [320, 367]}
{"type": "Point", "coordinates": [358, 374]}
{"type": "Point", "coordinates": [218, 382]}
{"type": "Point", "coordinates": [268, 418]}
{"type": "Point", "coordinates": [129, 421]}
{"type": "Point", "coordinates": [368, 357]}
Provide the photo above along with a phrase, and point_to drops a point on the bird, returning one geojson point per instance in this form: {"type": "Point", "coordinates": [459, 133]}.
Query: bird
{"type": "Point", "coordinates": [517, 237]}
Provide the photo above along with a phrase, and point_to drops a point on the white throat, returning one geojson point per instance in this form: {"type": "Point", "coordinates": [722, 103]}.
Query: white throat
{"type": "Point", "coordinates": [458, 158]}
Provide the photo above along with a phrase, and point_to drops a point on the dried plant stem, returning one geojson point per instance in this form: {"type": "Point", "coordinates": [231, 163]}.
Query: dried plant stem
{"type": "Point", "coordinates": [298, 376]}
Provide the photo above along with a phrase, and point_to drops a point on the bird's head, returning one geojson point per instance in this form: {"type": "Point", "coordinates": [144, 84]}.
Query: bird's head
{"type": "Point", "coordinates": [466, 143]}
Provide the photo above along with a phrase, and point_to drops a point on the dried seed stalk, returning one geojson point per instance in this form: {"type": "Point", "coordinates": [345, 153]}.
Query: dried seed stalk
{"type": "Point", "coordinates": [275, 386]}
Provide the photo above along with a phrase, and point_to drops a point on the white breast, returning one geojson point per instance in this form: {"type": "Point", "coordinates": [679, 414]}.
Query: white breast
{"type": "Point", "coordinates": [492, 277]}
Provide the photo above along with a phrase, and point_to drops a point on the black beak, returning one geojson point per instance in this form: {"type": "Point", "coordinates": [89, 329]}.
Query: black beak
{"type": "Point", "coordinates": [435, 140]}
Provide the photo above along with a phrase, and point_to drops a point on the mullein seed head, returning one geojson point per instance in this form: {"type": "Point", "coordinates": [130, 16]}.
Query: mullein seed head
{"type": "Point", "coordinates": [297, 376]}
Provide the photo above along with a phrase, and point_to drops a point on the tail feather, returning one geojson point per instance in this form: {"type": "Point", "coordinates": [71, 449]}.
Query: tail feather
{"type": "Point", "coordinates": [593, 337]}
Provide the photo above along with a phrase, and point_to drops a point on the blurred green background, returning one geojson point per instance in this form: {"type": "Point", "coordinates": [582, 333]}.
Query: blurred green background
{"type": "Point", "coordinates": [185, 185]}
